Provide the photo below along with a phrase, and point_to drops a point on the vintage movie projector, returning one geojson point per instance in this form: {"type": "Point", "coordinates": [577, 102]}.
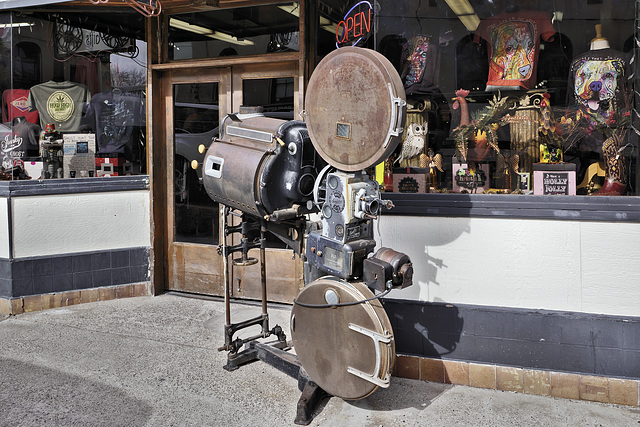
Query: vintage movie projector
{"type": "Point", "coordinates": [275, 175]}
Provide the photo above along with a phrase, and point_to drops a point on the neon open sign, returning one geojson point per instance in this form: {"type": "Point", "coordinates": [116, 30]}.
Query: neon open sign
{"type": "Point", "coordinates": [355, 27]}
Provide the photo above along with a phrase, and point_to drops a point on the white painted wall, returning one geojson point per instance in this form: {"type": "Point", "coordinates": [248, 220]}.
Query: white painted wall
{"type": "Point", "coordinates": [4, 228]}
{"type": "Point", "coordinates": [72, 223]}
{"type": "Point", "coordinates": [538, 264]}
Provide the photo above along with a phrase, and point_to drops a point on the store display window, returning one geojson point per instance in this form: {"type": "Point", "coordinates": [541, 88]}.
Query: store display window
{"type": "Point", "coordinates": [506, 97]}
{"type": "Point", "coordinates": [72, 92]}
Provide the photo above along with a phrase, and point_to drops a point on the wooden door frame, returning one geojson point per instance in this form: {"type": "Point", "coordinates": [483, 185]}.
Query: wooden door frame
{"type": "Point", "coordinates": [229, 79]}
{"type": "Point", "coordinates": [156, 30]}
{"type": "Point", "coordinates": [179, 253]}
{"type": "Point", "coordinates": [268, 71]}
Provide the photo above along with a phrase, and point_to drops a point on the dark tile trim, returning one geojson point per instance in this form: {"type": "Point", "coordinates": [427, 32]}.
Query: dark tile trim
{"type": "Point", "coordinates": [533, 339]}
{"type": "Point", "coordinates": [40, 275]}
{"type": "Point", "coordinates": [43, 187]}
{"type": "Point", "coordinates": [572, 208]}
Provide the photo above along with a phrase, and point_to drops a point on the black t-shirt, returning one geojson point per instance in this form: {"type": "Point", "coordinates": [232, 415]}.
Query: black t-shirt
{"type": "Point", "coordinates": [115, 116]}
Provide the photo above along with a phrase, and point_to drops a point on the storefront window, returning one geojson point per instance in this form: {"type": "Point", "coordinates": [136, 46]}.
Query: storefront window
{"type": "Point", "coordinates": [239, 31]}
{"type": "Point", "coordinates": [519, 97]}
{"type": "Point", "coordinates": [73, 96]}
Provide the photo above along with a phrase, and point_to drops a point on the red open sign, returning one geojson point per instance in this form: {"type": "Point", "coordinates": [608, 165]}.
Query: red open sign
{"type": "Point", "coordinates": [356, 25]}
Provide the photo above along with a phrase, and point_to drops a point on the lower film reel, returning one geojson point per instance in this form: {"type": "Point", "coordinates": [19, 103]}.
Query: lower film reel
{"type": "Point", "coordinates": [348, 350]}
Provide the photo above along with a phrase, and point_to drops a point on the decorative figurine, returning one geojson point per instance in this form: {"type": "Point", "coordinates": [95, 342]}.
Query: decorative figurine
{"type": "Point", "coordinates": [508, 167]}
{"type": "Point", "coordinates": [414, 143]}
{"type": "Point", "coordinates": [432, 161]}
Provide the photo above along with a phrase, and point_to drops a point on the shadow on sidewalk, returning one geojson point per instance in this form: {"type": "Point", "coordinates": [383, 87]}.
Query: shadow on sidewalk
{"type": "Point", "coordinates": [35, 395]}
{"type": "Point", "coordinates": [401, 394]}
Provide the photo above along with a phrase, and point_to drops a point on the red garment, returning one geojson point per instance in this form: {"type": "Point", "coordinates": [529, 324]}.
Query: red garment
{"type": "Point", "coordinates": [87, 73]}
{"type": "Point", "coordinates": [513, 40]}
{"type": "Point", "coordinates": [14, 104]}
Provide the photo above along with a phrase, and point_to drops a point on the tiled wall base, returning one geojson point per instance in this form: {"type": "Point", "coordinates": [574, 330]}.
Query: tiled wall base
{"type": "Point", "coordinates": [544, 340]}
{"type": "Point", "coordinates": [61, 299]}
{"type": "Point", "coordinates": [528, 381]}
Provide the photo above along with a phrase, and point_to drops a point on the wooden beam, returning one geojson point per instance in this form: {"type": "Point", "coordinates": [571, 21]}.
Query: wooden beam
{"type": "Point", "coordinates": [229, 61]}
{"type": "Point", "coordinates": [168, 6]}
{"type": "Point", "coordinates": [155, 157]}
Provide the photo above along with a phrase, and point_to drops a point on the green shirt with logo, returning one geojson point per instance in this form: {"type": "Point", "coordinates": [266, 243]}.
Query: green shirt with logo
{"type": "Point", "coordinates": [61, 103]}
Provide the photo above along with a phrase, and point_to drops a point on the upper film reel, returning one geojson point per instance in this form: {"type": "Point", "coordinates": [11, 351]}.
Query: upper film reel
{"type": "Point", "coordinates": [355, 108]}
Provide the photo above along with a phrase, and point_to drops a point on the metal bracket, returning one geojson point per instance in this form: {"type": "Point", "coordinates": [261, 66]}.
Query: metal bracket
{"type": "Point", "coordinates": [396, 116]}
{"type": "Point", "coordinates": [377, 339]}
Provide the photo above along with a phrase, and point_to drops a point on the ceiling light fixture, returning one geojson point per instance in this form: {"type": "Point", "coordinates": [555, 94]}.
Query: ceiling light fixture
{"type": "Point", "coordinates": [16, 25]}
{"type": "Point", "coordinates": [465, 12]}
{"type": "Point", "coordinates": [197, 29]}
{"type": "Point", "coordinates": [325, 24]}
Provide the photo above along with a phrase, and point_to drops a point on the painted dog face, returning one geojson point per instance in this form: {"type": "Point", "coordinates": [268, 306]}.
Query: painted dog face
{"type": "Point", "coordinates": [595, 85]}
{"type": "Point", "coordinates": [513, 45]}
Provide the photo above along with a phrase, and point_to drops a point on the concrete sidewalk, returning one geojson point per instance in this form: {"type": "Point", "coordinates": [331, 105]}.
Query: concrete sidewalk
{"type": "Point", "coordinates": [153, 361]}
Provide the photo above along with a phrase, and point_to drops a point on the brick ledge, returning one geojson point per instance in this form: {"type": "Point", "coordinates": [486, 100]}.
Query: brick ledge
{"type": "Point", "coordinates": [520, 380]}
{"type": "Point", "coordinates": [13, 306]}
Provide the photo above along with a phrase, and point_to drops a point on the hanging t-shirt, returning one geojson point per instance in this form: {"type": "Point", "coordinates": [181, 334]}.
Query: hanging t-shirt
{"type": "Point", "coordinates": [18, 139]}
{"type": "Point", "coordinates": [115, 116]}
{"type": "Point", "coordinates": [61, 103]}
{"type": "Point", "coordinates": [14, 104]}
{"type": "Point", "coordinates": [87, 73]}
{"type": "Point", "coordinates": [514, 41]}
{"type": "Point", "coordinates": [598, 83]}
{"type": "Point", "coordinates": [422, 65]}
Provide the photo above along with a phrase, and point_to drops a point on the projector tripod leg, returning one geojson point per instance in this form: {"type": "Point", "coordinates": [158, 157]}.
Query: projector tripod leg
{"type": "Point", "coordinates": [308, 403]}
{"type": "Point", "coordinates": [273, 355]}
{"type": "Point", "coordinates": [236, 357]}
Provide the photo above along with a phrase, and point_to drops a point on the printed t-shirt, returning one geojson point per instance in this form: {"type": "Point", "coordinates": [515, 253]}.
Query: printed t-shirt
{"type": "Point", "coordinates": [422, 65]}
{"type": "Point", "coordinates": [115, 116]}
{"type": "Point", "coordinates": [513, 41]}
{"type": "Point", "coordinates": [598, 83]}
{"type": "Point", "coordinates": [18, 139]}
{"type": "Point", "coordinates": [14, 104]}
{"type": "Point", "coordinates": [61, 103]}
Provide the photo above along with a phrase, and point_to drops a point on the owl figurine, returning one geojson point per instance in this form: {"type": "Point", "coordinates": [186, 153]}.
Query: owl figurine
{"type": "Point", "coordinates": [414, 143]}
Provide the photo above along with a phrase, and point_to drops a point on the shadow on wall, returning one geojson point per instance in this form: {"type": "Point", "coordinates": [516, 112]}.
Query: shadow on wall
{"type": "Point", "coordinates": [35, 395]}
{"type": "Point", "coordinates": [416, 241]}
{"type": "Point", "coordinates": [433, 330]}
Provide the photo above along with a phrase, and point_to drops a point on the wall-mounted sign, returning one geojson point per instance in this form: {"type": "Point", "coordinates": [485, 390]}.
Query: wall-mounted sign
{"type": "Point", "coordinates": [356, 26]}
{"type": "Point", "coordinates": [93, 41]}
{"type": "Point", "coordinates": [68, 39]}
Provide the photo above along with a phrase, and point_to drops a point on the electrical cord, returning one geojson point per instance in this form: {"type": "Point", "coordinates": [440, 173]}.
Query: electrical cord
{"type": "Point", "coordinates": [342, 304]}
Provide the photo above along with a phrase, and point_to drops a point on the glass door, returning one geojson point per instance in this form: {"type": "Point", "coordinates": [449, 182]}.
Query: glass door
{"type": "Point", "coordinates": [196, 105]}
{"type": "Point", "coordinates": [274, 88]}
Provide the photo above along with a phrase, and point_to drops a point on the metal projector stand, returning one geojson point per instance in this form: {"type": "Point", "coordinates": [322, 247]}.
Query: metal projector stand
{"type": "Point", "coordinates": [274, 353]}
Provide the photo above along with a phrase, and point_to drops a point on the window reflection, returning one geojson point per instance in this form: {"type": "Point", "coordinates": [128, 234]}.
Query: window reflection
{"type": "Point", "coordinates": [195, 118]}
{"type": "Point", "coordinates": [238, 31]}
